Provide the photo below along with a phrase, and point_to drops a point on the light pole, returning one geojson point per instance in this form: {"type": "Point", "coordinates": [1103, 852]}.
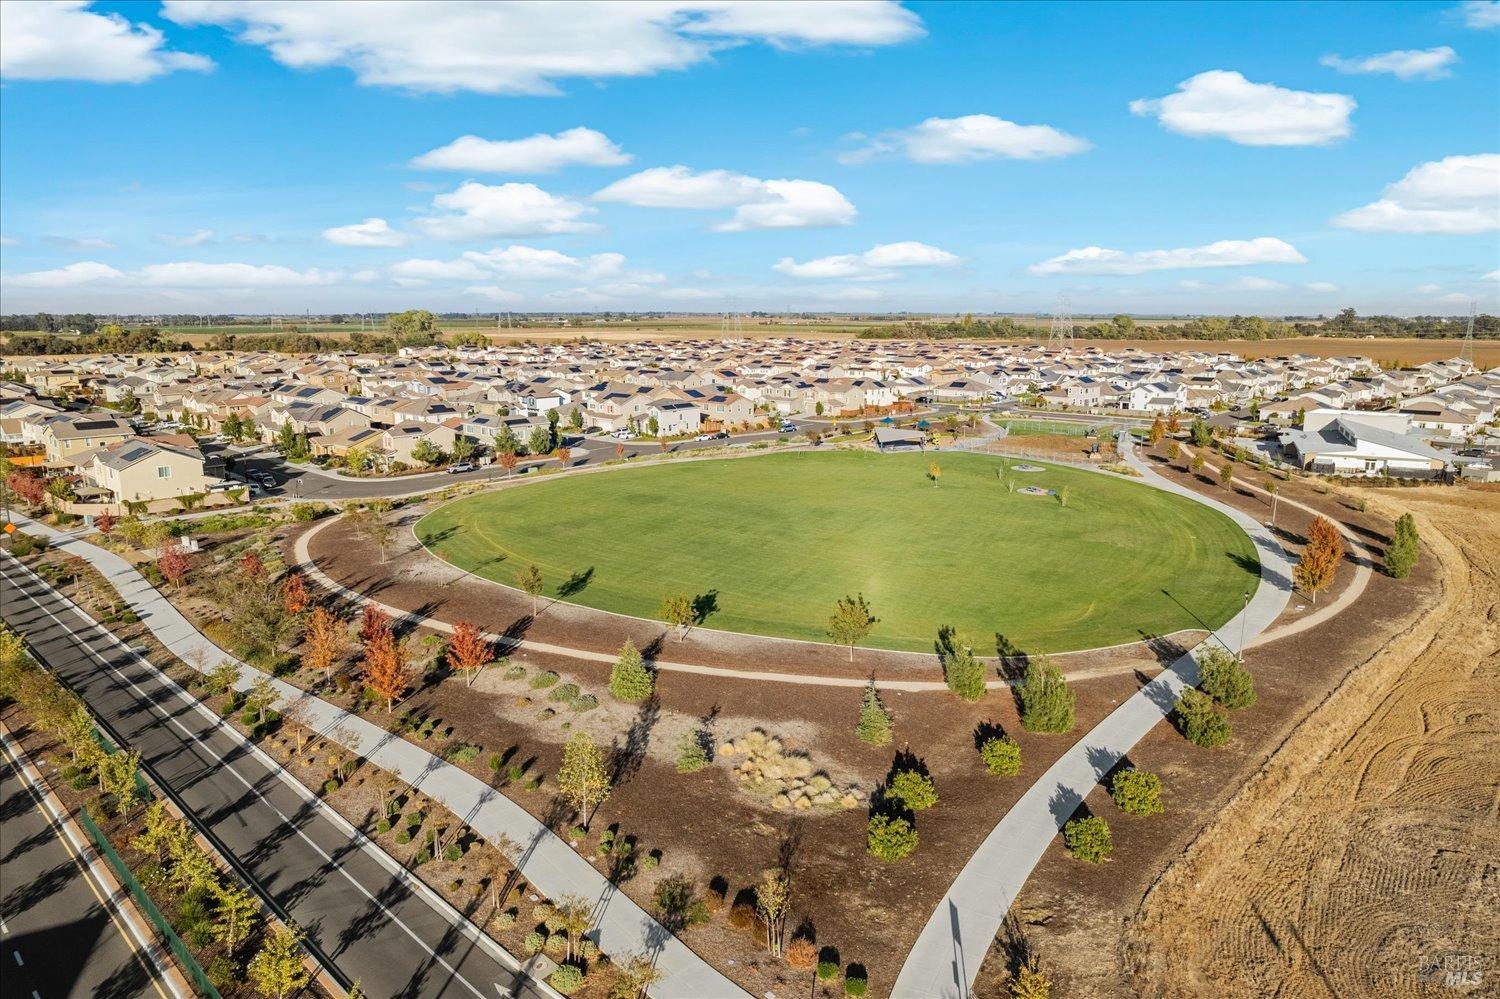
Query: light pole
{"type": "Point", "coordinates": [1244, 613]}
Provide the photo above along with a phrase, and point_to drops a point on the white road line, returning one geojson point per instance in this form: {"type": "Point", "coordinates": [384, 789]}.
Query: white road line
{"type": "Point", "coordinates": [172, 720]}
{"type": "Point", "coordinates": [17, 955]}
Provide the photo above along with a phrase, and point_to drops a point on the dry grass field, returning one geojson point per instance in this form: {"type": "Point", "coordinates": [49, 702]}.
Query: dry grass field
{"type": "Point", "coordinates": [1362, 859]}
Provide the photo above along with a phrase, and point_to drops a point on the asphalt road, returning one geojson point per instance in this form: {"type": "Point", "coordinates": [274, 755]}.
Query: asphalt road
{"type": "Point", "coordinates": [57, 939]}
{"type": "Point", "coordinates": [369, 923]}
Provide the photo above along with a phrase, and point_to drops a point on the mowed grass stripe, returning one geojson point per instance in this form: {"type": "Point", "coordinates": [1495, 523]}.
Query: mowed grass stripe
{"type": "Point", "coordinates": [779, 538]}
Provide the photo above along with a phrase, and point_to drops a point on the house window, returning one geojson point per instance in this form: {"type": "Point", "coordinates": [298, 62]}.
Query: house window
{"type": "Point", "coordinates": [163, 471]}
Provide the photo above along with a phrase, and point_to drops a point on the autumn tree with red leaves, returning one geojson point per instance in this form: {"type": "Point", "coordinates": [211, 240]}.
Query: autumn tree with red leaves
{"type": "Point", "coordinates": [294, 593]}
{"type": "Point", "coordinates": [468, 653]}
{"type": "Point", "coordinates": [1321, 556]}
{"type": "Point", "coordinates": [372, 623]}
{"type": "Point", "coordinates": [174, 562]}
{"type": "Point", "coordinates": [27, 486]}
{"type": "Point", "coordinates": [251, 566]}
{"type": "Point", "coordinates": [384, 671]}
{"type": "Point", "coordinates": [327, 640]}
{"type": "Point", "coordinates": [105, 523]}
{"type": "Point", "coordinates": [508, 461]}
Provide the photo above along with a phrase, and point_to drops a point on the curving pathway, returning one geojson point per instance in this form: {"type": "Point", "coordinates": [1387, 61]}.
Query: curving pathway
{"type": "Point", "coordinates": [621, 926]}
{"type": "Point", "coordinates": [951, 947]}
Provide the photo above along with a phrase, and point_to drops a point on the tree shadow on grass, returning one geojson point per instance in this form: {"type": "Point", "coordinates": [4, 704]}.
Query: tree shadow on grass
{"type": "Point", "coordinates": [575, 584]}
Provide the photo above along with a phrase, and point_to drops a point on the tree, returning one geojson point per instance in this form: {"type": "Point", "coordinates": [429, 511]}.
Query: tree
{"type": "Point", "coordinates": [890, 837]}
{"type": "Point", "coordinates": [105, 523]}
{"type": "Point", "coordinates": [27, 486]}
{"type": "Point", "coordinates": [934, 472]}
{"type": "Point", "coordinates": [529, 579]}
{"type": "Point", "coordinates": [1031, 983]}
{"type": "Point", "coordinates": [256, 615]}
{"type": "Point", "coordinates": [1200, 433]}
{"type": "Point", "coordinates": [1136, 792]}
{"type": "Point", "coordinates": [773, 901]}
{"type": "Point", "coordinates": [563, 456]}
{"type": "Point", "coordinates": [1196, 463]}
{"type": "Point", "coordinates": [874, 728]}
{"type": "Point", "coordinates": [635, 974]}
{"type": "Point", "coordinates": [262, 697]}
{"type": "Point", "coordinates": [575, 419]}
{"type": "Point", "coordinates": [371, 525]}
{"type": "Point", "coordinates": [629, 679]}
{"type": "Point", "coordinates": [119, 775]}
{"type": "Point", "coordinates": [692, 756]}
{"type": "Point", "coordinates": [235, 915]}
{"type": "Point", "coordinates": [539, 441]}
{"type": "Point", "coordinates": [1199, 721]}
{"type": "Point", "coordinates": [384, 671]}
{"type": "Point", "coordinates": [1174, 450]}
{"type": "Point", "coordinates": [417, 325]}
{"type": "Point", "coordinates": [1088, 839]}
{"type": "Point", "coordinates": [851, 622]}
{"type": "Point", "coordinates": [619, 451]}
{"type": "Point", "coordinates": [913, 789]}
{"type": "Point", "coordinates": [962, 671]}
{"type": "Point", "coordinates": [572, 917]}
{"type": "Point", "coordinates": [463, 448]}
{"type": "Point", "coordinates": [508, 461]}
{"type": "Point", "coordinates": [1223, 677]}
{"type": "Point", "coordinates": [174, 562]}
{"type": "Point", "coordinates": [286, 438]}
{"type": "Point", "coordinates": [277, 971]}
{"type": "Point", "coordinates": [294, 593]}
{"type": "Point", "coordinates": [583, 778]}
{"type": "Point", "coordinates": [358, 460]}
{"type": "Point", "coordinates": [653, 425]}
{"type": "Point", "coordinates": [1226, 475]}
{"type": "Point", "coordinates": [1157, 432]}
{"type": "Point", "coordinates": [1402, 552]}
{"type": "Point", "coordinates": [427, 452]}
{"type": "Point", "coordinates": [677, 610]}
{"type": "Point", "coordinates": [1321, 556]}
{"type": "Point", "coordinates": [1001, 755]}
{"type": "Point", "coordinates": [468, 652]}
{"type": "Point", "coordinates": [506, 441]}
{"type": "Point", "coordinates": [1046, 701]}
{"type": "Point", "coordinates": [372, 622]}
{"type": "Point", "coordinates": [250, 564]}
{"type": "Point", "coordinates": [221, 679]}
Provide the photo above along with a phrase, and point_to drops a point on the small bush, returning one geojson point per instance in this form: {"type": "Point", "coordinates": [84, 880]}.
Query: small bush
{"type": "Point", "coordinates": [890, 838]}
{"type": "Point", "coordinates": [1224, 678]}
{"type": "Point", "coordinates": [630, 680]}
{"type": "Point", "coordinates": [566, 693]}
{"type": "Point", "coordinates": [383, 826]}
{"type": "Point", "coordinates": [1199, 720]}
{"type": "Point", "coordinates": [567, 979]}
{"type": "Point", "coordinates": [403, 837]}
{"type": "Point", "coordinates": [1046, 701]}
{"type": "Point", "coordinates": [556, 945]}
{"type": "Point", "coordinates": [515, 672]}
{"type": "Point", "coordinates": [495, 762]}
{"type": "Point", "coordinates": [1001, 755]}
{"type": "Point", "coordinates": [584, 702]}
{"type": "Point", "coordinates": [543, 680]}
{"type": "Point", "coordinates": [453, 854]}
{"type": "Point", "coordinates": [463, 752]}
{"type": "Point", "coordinates": [691, 755]}
{"type": "Point", "coordinates": [222, 973]}
{"type": "Point", "coordinates": [855, 982]}
{"type": "Point", "coordinates": [422, 856]}
{"type": "Point", "coordinates": [534, 942]}
{"type": "Point", "coordinates": [828, 971]}
{"type": "Point", "coordinates": [1088, 839]}
{"type": "Point", "coordinates": [913, 789]}
{"type": "Point", "coordinates": [1136, 792]}
{"type": "Point", "coordinates": [330, 786]}
{"type": "Point", "coordinates": [742, 916]}
{"type": "Point", "coordinates": [506, 919]}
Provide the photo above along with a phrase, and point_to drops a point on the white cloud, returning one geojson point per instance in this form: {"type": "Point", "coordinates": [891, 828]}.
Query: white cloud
{"type": "Point", "coordinates": [8, 240]}
{"type": "Point", "coordinates": [195, 274]}
{"type": "Point", "coordinates": [525, 48]}
{"type": "Point", "coordinates": [480, 211]}
{"type": "Point", "coordinates": [758, 204]}
{"type": "Point", "coordinates": [79, 243]}
{"type": "Point", "coordinates": [1481, 14]}
{"type": "Point", "coordinates": [494, 293]}
{"type": "Point", "coordinates": [195, 238]}
{"type": "Point", "coordinates": [873, 264]}
{"type": "Point", "coordinates": [1322, 287]}
{"type": "Point", "coordinates": [1405, 64]}
{"type": "Point", "coordinates": [370, 232]}
{"type": "Point", "coordinates": [64, 40]}
{"type": "Point", "coordinates": [1223, 104]}
{"type": "Point", "coordinates": [365, 276]}
{"type": "Point", "coordinates": [1255, 284]}
{"type": "Point", "coordinates": [1456, 195]}
{"type": "Point", "coordinates": [1491, 276]}
{"type": "Point", "coordinates": [531, 263]}
{"type": "Point", "coordinates": [539, 153]}
{"type": "Point", "coordinates": [968, 139]}
{"type": "Point", "coordinates": [1428, 289]}
{"type": "Point", "coordinates": [424, 270]}
{"type": "Point", "coordinates": [1225, 253]}
{"type": "Point", "coordinates": [83, 272]}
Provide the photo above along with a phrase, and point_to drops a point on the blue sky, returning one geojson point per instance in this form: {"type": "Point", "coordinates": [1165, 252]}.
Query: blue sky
{"type": "Point", "coordinates": [285, 155]}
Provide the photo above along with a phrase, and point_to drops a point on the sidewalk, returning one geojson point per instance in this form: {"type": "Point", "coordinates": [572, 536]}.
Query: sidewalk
{"type": "Point", "coordinates": [947, 955]}
{"type": "Point", "coordinates": [622, 927]}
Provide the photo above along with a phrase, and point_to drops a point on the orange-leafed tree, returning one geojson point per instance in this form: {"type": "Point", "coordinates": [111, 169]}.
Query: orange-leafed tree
{"type": "Point", "coordinates": [563, 456]}
{"type": "Point", "coordinates": [105, 523]}
{"type": "Point", "coordinates": [294, 593]}
{"type": "Point", "coordinates": [372, 623]}
{"type": "Point", "coordinates": [174, 562]}
{"type": "Point", "coordinates": [619, 451]}
{"type": "Point", "coordinates": [468, 653]}
{"type": "Point", "coordinates": [251, 566]}
{"type": "Point", "coordinates": [1157, 432]}
{"type": "Point", "coordinates": [508, 461]}
{"type": "Point", "coordinates": [327, 641]}
{"type": "Point", "coordinates": [1321, 556]}
{"type": "Point", "coordinates": [384, 671]}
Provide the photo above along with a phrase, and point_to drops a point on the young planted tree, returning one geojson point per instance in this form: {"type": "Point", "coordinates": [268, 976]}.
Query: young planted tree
{"type": "Point", "coordinates": [1001, 755]}
{"type": "Point", "coordinates": [235, 914]}
{"type": "Point", "coordinates": [934, 472]}
{"type": "Point", "coordinates": [384, 671]}
{"type": "Point", "coordinates": [468, 652]}
{"type": "Point", "coordinates": [294, 593]}
{"type": "Point", "coordinates": [677, 610]}
{"type": "Point", "coordinates": [962, 670]}
{"type": "Point", "coordinates": [874, 728]}
{"type": "Point", "coordinates": [583, 778]}
{"type": "Point", "coordinates": [508, 461]}
{"type": "Point", "coordinates": [105, 523]}
{"type": "Point", "coordinates": [619, 451]}
{"type": "Point", "coordinates": [372, 622]}
{"type": "Point", "coordinates": [1046, 701]}
{"type": "Point", "coordinates": [634, 976]}
{"type": "Point", "coordinates": [1404, 548]}
{"type": "Point", "coordinates": [1226, 475]}
{"type": "Point", "coordinates": [1319, 564]}
{"type": "Point", "coordinates": [773, 902]}
{"type": "Point", "coordinates": [1196, 463]}
{"type": "Point", "coordinates": [256, 615]}
{"type": "Point", "coordinates": [371, 525]}
{"type": "Point", "coordinates": [262, 697]}
{"type": "Point", "coordinates": [851, 622]}
{"type": "Point", "coordinates": [1157, 432]}
{"type": "Point", "coordinates": [174, 563]}
{"type": "Point", "coordinates": [539, 441]}
{"type": "Point", "coordinates": [1136, 792]}
{"type": "Point", "coordinates": [1223, 676]}
{"type": "Point", "coordinates": [529, 580]}
{"type": "Point", "coordinates": [1199, 721]}
{"type": "Point", "coordinates": [564, 456]}
{"type": "Point", "coordinates": [629, 679]}
{"type": "Point", "coordinates": [277, 971]}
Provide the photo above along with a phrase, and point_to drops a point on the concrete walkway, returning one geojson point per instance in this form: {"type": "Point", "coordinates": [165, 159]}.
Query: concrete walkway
{"type": "Point", "coordinates": [947, 955]}
{"type": "Point", "coordinates": [621, 926]}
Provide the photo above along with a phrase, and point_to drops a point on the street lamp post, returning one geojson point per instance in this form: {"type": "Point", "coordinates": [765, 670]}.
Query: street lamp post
{"type": "Point", "coordinates": [1244, 613]}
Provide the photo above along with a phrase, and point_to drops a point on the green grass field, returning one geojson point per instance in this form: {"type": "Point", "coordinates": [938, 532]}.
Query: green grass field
{"type": "Point", "coordinates": [772, 542]}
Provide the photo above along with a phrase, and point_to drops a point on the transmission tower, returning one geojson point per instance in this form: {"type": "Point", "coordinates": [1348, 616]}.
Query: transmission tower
{"type": "Point", "coordinates": [1466, 352]}
{"type": "Point", "coordinates": [1060, 334]}
{"type": "Point", "coordinates": [729, 323]}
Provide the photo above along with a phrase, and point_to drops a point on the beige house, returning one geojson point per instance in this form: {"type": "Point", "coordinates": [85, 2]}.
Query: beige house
{"type": "Point", "coordinates": [144, 471]}
{"type": "Point", "coordinates": [68, 435]}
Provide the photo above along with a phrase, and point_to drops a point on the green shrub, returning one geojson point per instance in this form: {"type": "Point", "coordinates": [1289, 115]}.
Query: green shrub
{"type": "Point", "coordinates": [222, 973]}
{"type": "Point", "coordinates": [463, 752]}
{"type": "Point", "coordinates": [506, 919]}
{"type": "Point", "coordinates": [1088, 839]}
{"type": "Point", "coordinates": [453, 853]}
{"type": "Point", "coordinates": [516, 672]}
{"type": "Point", "coordinates": [533, 942]}
{"type": "Point", "coordinates": [1224, 678]}
{"type": "Point", "coordinates": [890, 838]}
{"type": "Point", "coordinates": [543, 680]}
{"type": "Point", "coordinates": [1001, 755]}
{"type": "Point", "coordinates": [691, 754]}
{"type": "Point", "coordinates": [495, 762]}
{"type": "Point", "coordinates": [1136, 792]}
{"type": "Point", "coordinates": [1199, 720]}
{"type": "Point", "coordinates": [556, 945]}
{"type": "Point", "coordinates": [422, 856]}
{"type": "Point", "coordinates": [855, 984]}
{"type": "Point", "coordinates": [874, 728]}
{"type": "Point", "coordinates": [962, 671]}
{"type": "Point", "coordinates": [1404, 549]}
{"type": "Point", "coordinates": [383, 826]}
{"type": "Point", "coordinates": [515, 772]}
{"type": "Point", "coordinates": [913, 789]}
{"type": "Point", "coordinates": [302, 513]}
{"type": "Point", "coordinates": [566, 693]}
{"type": "Point", "coordinates": [1046, 701]}
{"type": "Point", "coordinates": [567, 979]}
{"type": "Point", "coordinates": [403, 837]}
{"type": "Point", "coordinates": [828, 971]}
{"type": "Point", "coordinates": [583, 702]}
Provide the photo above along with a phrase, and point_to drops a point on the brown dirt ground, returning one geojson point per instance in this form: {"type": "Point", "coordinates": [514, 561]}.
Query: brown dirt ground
{"type": "Point", "coordinates": [1362, 842]}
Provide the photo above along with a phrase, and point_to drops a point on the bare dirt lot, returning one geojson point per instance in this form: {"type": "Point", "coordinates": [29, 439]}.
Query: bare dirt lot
{"type": "Point", "coordinates": [1362, 859]}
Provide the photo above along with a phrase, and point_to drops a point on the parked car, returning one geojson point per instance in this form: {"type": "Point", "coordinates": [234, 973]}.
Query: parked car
{"type": "Point", "coordinates": [722, 435]}
{"type": "Point", "coordinates": [788, 428]}
{"type": "Point", "coordinates": [265, 479]}
{"type": "Point", "coordinates": [705, 437]}
{"type": "Point", "coordinates": [462, 466]}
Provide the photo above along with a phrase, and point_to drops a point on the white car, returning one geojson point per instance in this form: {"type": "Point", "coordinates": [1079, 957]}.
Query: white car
{"type": "Point", "coordinates": [460, 467]}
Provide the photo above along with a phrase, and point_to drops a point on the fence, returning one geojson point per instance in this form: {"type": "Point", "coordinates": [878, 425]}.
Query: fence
{"type": "Point", "coordinates": [185, 958]}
